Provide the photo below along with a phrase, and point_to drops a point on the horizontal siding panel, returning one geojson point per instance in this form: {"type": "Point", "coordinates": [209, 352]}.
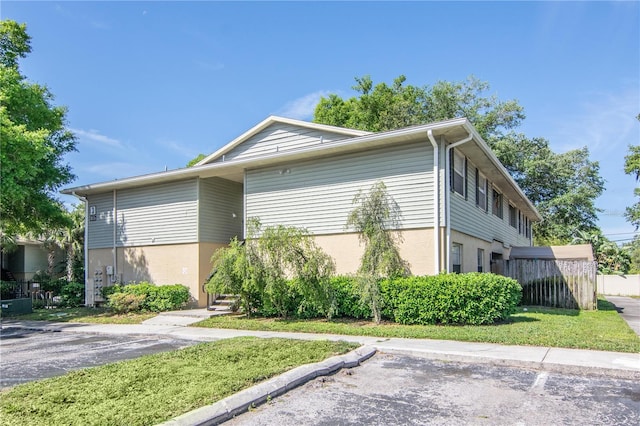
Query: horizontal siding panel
{"type": "Point", "coordinates": [220, 200]}
{"type": "Point", "coordinates": [318, 195]}
{"type": "Point", "coordinates": [158, 214]}
{"type": "Point", "coordinates": [101, 230]}
{"type": "Point", "coordinates": [469, 219]}
{"type": "Point", "coordinates": [280, 137]}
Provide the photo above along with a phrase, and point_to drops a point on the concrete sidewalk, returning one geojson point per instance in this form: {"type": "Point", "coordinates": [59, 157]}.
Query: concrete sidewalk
{"type": "Point", "coordinates": [623, 365]}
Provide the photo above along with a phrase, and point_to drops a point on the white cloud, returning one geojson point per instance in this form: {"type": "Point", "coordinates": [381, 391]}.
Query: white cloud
{"type": "Point", "coordinates": [605, 124]}
{"type": "Point", "coordinates": [303, 108]}
{"type": "Point", "coordinates": [95, 136]}
{"type": "Point", "coordinates": [117, 169]}
{"type": "Point", "coordinates": [180, 148]}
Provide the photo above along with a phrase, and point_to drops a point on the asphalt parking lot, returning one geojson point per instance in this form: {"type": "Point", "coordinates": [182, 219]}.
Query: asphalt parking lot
{"type": "Point", "coordinates": [29, 354]}
{"type": "Point", "coordinates": [407, 390]}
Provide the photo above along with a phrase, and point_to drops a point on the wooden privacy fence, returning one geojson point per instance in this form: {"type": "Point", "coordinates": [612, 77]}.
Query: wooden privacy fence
{"type": "Point", "coordinates": [555, 283]}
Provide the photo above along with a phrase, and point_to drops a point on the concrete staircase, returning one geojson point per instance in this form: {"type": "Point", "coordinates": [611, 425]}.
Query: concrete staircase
{"type": "Point", "coordinates": [222, 304]}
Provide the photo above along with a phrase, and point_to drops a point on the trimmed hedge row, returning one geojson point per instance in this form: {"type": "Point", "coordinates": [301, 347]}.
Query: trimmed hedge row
{"type": "Point", "coordinates": [474, 298]}
{"type": "Point", "coordinates": [148, 297]}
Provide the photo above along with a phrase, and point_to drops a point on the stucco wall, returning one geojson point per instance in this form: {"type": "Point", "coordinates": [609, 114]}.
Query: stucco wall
{"type": "Point", "coordinates": [346, 250]}
{"type": "Point", "coordinates": [616, 285]}
{"type": "Point", "coordinates": [470, 246]}
{"type": "Point", "coordinates": [160, 264]}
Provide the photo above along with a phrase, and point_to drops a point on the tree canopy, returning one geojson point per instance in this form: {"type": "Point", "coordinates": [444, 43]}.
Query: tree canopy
{"type": "Point", "coordinates": [562, 186]}
{"type": "Point", "coordinates": [196, 160]}
{"type": "Point", "coordinates": [632, 167]}
{"type": "Point", "coordinates": [33, 142]}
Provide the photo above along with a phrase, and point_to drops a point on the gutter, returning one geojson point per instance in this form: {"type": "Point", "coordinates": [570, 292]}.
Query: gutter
{"type": "Point", "coordinates": [447, 195]}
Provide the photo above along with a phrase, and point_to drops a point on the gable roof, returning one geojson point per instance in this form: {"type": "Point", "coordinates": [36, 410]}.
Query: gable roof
{"type": "Point", "coordinates": [233, 169]}
{"type": "Point", "coordinates": [275, 120]}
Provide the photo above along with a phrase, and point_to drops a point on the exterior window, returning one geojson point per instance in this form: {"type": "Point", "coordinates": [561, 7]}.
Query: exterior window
{"type": "Point", "coordinates": [456, 257]}
{"type": "Point", "coordinates": [480, 260]}
{"type": "Point", "coordinates": [520, 228]}
{"type": "Point", "coordinates": [513, 216]}
{"type": "Point", "coordinates": [496, 207]}
{"type": "Point", "coordinates": [481, 191]}
{"type": "Point", "coordinates": [458, 172]}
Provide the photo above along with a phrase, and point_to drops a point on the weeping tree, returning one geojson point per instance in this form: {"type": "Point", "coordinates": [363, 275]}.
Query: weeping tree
{"type": "Point", "coordinates": [279, 267]}
{"type": "Point", "coordinates": [374, 217]}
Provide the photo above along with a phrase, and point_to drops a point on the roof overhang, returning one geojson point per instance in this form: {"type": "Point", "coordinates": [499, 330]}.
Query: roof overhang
{"type": "Point", "coordinates": [452, 131]}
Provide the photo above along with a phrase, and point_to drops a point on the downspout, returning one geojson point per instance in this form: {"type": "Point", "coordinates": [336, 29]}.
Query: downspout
{"type": "Point", "coordinates": [115, 237]}
{"type": "Point", "coordinates": [86, 241]}
{"type": "Point", "coordinates": [447, 196]}
{"type": "Point", "coordinates": [436, 204]}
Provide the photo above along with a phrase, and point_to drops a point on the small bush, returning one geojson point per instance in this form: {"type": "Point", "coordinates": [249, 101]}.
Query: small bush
{"type": "Point", "coordinates": [8, 289]}
{"type": "Point", "coordinates": [72, 294]}
{"type": "Point", "coordinates": [125, 302]}
{"type": "Point", "coordinates": [473, 298]}
{"type": "Point", "coordinates": [107, 291]}
{"type": "Point", "coordinates": [154, 298]}
{"type": "Point", "coordinates": [348, 298]}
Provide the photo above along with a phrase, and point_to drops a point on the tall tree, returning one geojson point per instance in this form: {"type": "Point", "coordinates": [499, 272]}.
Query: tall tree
{"type": "Point", "coordinates": [562, 186]}
{"type": "Point", "coordinates": [196, 160]}
{"type": "Point", "coordinates": [632, 167]}
{"type": "Point", "coordinates": [33, 142]}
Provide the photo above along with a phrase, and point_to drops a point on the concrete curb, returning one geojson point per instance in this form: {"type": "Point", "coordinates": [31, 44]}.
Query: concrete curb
{"type": "Point", "coordinates": [240, 402]}
{"type": "Point", "coordinates": [548, 364]}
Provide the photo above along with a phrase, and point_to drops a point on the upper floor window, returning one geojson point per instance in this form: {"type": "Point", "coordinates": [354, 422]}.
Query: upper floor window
{"type": "Point", "coordinates": [513, 216]}
{"type": "Point", "coordinates": [458, 172]}
{"type": "Point", "coordinates": [496, 207]}
{"type": "Point", "coordinates": [481, 191]}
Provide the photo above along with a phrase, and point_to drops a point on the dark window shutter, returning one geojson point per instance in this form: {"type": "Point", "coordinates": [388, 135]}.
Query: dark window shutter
{"type": "Point", "coordinates": [466, 178]}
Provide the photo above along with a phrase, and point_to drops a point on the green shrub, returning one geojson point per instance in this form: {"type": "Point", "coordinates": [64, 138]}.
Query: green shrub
{"type": "Point", "coordinates": [154, 298]}
{"type": "Point", "coordinates": [8, 289]}
{"type": "Point", "coordinates": [125, 302]}
{"type": "Point", "coordinates": [473, 298]}
{"type": "Point", "coordinates": [107, 291]}
{"type": "Point", "coordinates": [348, 299]}
{"type": "Point", "coordinates": [72, 294]}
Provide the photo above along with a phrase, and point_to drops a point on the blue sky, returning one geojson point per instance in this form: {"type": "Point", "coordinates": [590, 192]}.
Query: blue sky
{"type": "Point", "coordinates": [150, 85]}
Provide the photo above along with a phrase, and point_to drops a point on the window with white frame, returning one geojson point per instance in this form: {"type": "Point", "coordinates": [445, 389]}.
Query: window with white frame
{"type": "Point", "coordinates": [456, 257]}
{"type": "Point", "coordinates": [496, 206]}
{"type": "Point", "coordinates": [480, 260]}
{"type": "Point", "coordinates": [458, 172]}
{"type": "Point", "coordinates": [481, 191]}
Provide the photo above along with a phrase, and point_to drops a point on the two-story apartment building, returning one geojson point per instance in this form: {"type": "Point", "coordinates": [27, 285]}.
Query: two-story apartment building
{"type": "Point", "coordinates": [459, 206]}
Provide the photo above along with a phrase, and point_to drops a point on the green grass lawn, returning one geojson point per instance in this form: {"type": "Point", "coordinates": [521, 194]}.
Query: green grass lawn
{"type": "Point", "coordinates": [155, 388]}
{"type": "Point", "coordinates": [90, 315]}
{"type": "Point", "coordinates": [603, 329]}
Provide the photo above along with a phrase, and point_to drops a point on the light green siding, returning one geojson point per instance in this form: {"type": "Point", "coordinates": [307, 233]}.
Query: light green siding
{"type": "Point", "coordinates": [221, 210]}
{"type": "Point", "coordinates": [468, 218]}
{"type": "Point", "coordinates": [280, 137]}
{"type": "Point", "coordinates": [318, 194]}
{"type": "Point", "coordinates": [101, 229]}
{"type": "Point", "coordinates": [158, 214]}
